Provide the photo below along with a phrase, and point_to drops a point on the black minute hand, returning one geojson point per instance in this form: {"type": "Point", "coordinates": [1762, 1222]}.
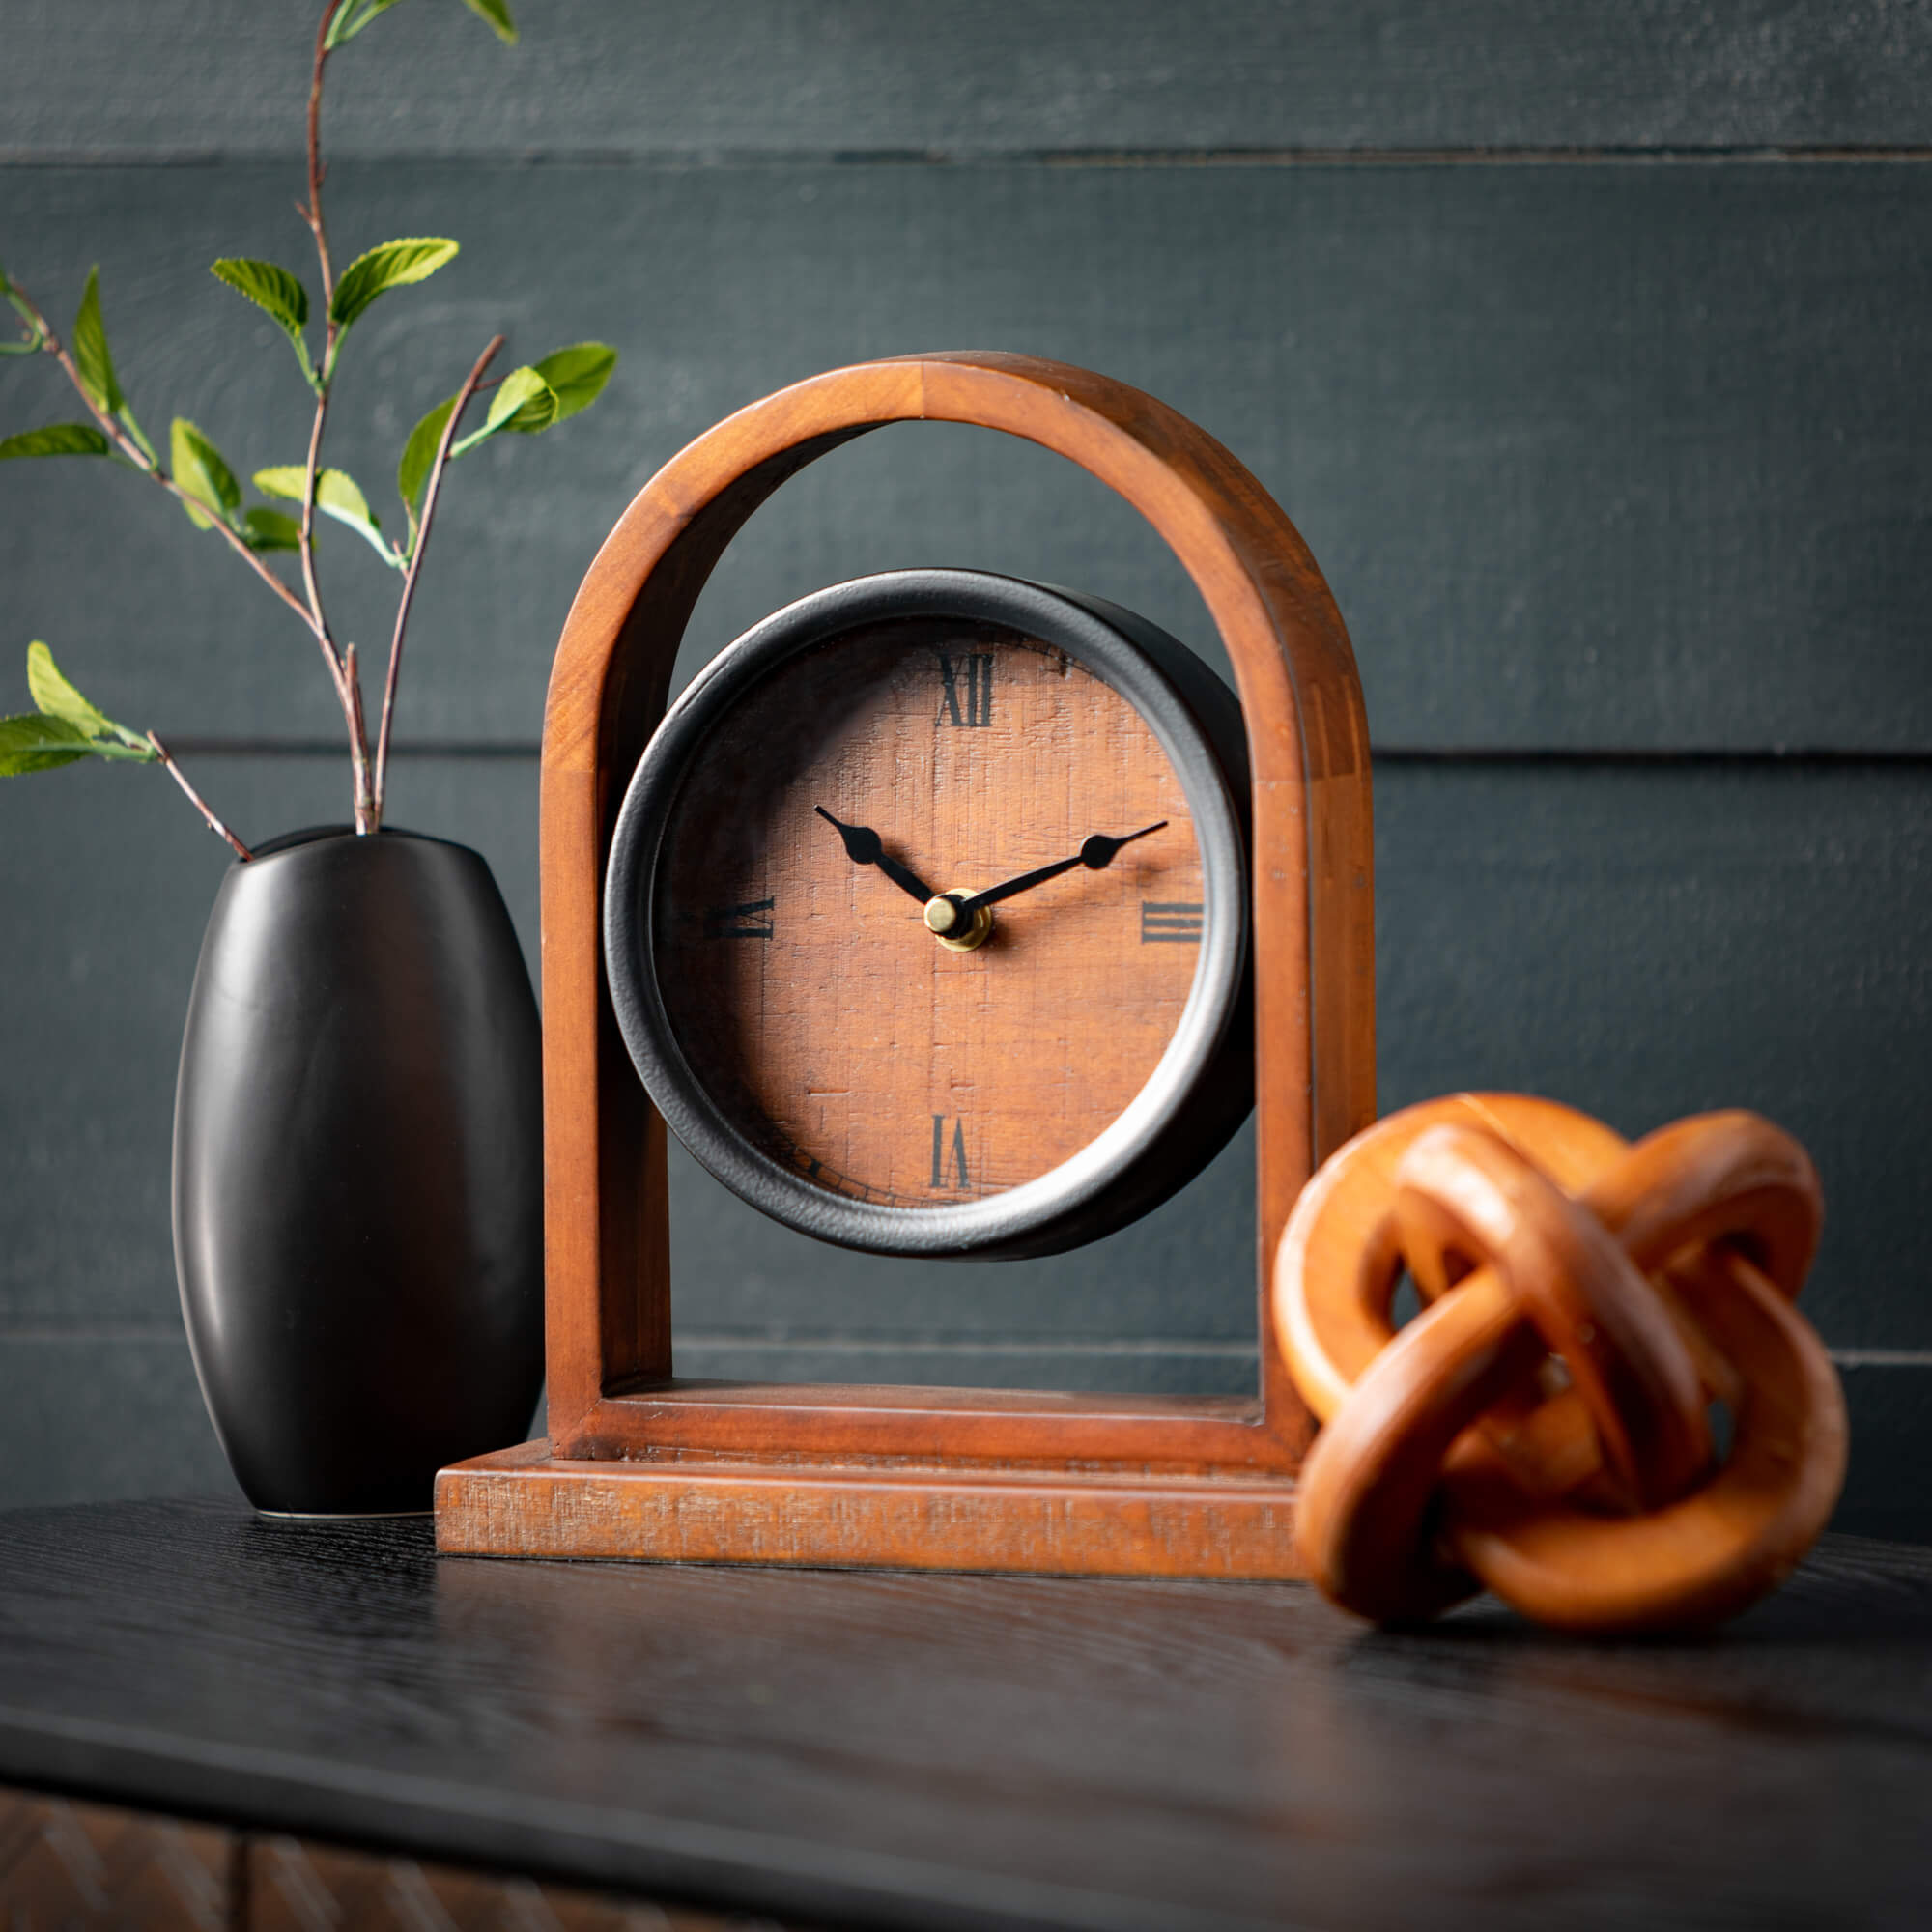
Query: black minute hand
{"type": "Point", "coordinates": [1095, 854]}
{"type": "Point", "coordinates": [863, 848]}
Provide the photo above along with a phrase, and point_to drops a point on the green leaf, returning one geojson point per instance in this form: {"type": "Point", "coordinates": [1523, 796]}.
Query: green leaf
{"type": "Point", "coordinates": [274, 289]}
{"type": "Point", "coordinates": [34, 341]}
{"type": "Point", "coordinates": [58, 699]}
{"type": "Point", "coordinates": [20, 306]}
{"type": "Point", "coordinates": [200, 470]}
{"type": "Point", "coordinates": [97, 366]}
{"type": "Point", "coordinates": [90, 350]}
{"type": "Point", "coordinates": [526, 402]}
{"type": "Point", "coordinates": [66, 719]}
{"type": "Point", "coordinates": [268, 287]}
{"type": "Point", "coordinates": [33, 743]}
{"type": "Point", "coordinates": [264, 528]}
{"type": "Point", "coordinates": [335, 490]}
{"type": "Point", "coordinates": [498, 16]}
{"type": "Point", "coordinates": [391, 265]}
{"type": "Point", "coordinates": [419, 452]}
{"type": "Point", "coordinates": [351, 18]}
{"type": "Point", "coordinates": [336, 494]}
{"type": "Point", "coordinates": [578, 374]}
{"type": "Point", "coordinates": [56, 439]}
{"type": "Point", "coordinates": [523, 404]}
{"type": "Point", "coordinates": [357, 15]}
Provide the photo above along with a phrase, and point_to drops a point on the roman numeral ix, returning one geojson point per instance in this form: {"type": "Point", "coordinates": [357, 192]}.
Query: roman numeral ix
{"type": "Point", "coordinates": [739, 922]}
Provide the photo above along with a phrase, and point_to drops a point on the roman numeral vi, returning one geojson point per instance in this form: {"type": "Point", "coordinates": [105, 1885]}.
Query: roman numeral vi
{"type": "Point", "coordinates": [949, 1157]}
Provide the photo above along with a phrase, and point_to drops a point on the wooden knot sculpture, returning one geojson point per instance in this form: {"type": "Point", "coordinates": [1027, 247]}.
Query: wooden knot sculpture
{"type": "Point", "coordinates": [1542, 1428]}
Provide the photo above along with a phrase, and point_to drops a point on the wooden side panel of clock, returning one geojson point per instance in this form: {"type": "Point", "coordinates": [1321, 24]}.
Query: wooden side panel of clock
{"type": "Point", "coordinates": [846, 1041]}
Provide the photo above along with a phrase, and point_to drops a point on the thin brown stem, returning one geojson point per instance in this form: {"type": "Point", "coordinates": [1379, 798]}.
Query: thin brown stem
{"type": "Point", "coordinates": [312, 214]}
{"type": "Point", "coordinates": [200, 804]}
{"type": "Point", "coordinates": [341, 665]}
{"type": "Point", "coordinates": [366, 819]}
{"type": "Point", "coordinates": [311, 581]}
{"type": "Point", "coordinates": [436, 469]}
{"type": "Point", "coordinates": [140, 459]}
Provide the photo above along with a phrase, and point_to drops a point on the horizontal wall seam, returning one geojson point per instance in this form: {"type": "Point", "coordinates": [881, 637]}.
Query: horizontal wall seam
{"type": "Point", "coordinates": [963, 1345]}
{"type": "Point", "coordinates": [699, 159]}
{"type": "Point", "coordinates": [183, 746]}
{"type": "Point", "coordinates": [1907, 756]}
{"type": "Point", "coordinates": [92, 1331]}
{"type": "Point", "coordinates": [170, 1334]}
{"type": "Point", "coordinates": [1616, 754]}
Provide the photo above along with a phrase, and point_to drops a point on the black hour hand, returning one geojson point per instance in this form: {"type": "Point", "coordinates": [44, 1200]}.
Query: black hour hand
{"type": "Point", "coordinates": [864, 847]}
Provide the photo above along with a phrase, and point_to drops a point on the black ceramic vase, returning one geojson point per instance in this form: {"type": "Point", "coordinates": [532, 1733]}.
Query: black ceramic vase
{"type": "Point", "coordinates": [357, 1172]}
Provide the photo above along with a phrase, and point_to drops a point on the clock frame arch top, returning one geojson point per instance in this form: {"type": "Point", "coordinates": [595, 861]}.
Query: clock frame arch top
{"type": "Point", "coordinates": [637, 1464]}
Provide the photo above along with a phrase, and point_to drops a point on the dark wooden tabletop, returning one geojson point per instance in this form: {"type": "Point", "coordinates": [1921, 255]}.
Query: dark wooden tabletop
{"type": "Point", "coordinates": [941, 1750]}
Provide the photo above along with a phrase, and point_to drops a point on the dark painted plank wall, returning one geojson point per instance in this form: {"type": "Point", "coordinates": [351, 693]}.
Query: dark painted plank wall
{"type": "Point", "coordinates": [1614, 453]}
{"type": "Point", "coordinates": [689, 79]}
{"type": "Point", "coordinates": [1617, 455]}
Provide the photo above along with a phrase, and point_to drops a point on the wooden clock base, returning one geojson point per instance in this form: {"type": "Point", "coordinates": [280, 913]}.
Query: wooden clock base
{"type": "Point", "coordinates": [524, 1502]}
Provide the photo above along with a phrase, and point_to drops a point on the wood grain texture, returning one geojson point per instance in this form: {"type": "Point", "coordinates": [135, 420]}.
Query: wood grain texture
{"type": "Point", "coordinates": [803, 990]}
{"type": "Point", "coordinates": [1620, 456]}
{"type": "Point", "coordinates": [1544, 1424]}
{"type": "Point", "coordinates": [294, 1885]}
{"type": "Point", "coordinates": [926, 79]}
{"type": "Point", "coordinates": [1311, 907]}
{"type": "Point", "coordinates": [73, 1865]}
{"type": "Point", "coordinates": [945, 1752]}
{"type": "Point", "coordinates": [899, 1516]}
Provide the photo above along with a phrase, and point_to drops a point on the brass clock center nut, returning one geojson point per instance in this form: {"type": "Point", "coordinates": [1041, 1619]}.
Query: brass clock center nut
{"type": "Point", "coordinates": [942, 915]}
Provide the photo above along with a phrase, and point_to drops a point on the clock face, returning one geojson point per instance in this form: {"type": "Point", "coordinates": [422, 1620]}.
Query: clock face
{"type": "Point", "coordinates": [922, 929]}
{"type": "Point", "coordinates": [806, 988]}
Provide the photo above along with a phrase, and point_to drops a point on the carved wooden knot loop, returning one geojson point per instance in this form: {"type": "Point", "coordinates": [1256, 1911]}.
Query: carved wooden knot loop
{"type": "Point", "coordinates": [1544, 1426]}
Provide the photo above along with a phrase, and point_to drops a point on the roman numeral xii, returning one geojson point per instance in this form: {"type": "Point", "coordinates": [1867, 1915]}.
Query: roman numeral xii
{"type": "Point", "coordinates": [966, 690]}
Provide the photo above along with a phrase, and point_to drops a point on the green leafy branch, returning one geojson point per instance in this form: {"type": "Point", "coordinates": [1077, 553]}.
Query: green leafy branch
{"type": "Point", "coordinates": [67, 728]}
{"type": "Point", "coordinates": [114, 432]}
{"type": "Point", "coordinates": [528, 401]}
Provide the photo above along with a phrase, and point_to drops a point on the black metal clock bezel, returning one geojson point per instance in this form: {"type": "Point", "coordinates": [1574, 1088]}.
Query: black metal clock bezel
{"type": "Point", "coordinates": [1203, 1087]}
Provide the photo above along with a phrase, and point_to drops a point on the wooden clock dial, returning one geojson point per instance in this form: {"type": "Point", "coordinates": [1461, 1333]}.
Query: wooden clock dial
{"type": "Point", "coordinates": [850, 1041]}
{"type": "Point", "coordinates": [803, 970]}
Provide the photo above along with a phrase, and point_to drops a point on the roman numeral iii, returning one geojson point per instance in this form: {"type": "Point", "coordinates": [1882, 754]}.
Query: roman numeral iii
{"type": "Point", "coordinates": [1166, 921]}
{"type": "Point", "coordinates": [966, 690]}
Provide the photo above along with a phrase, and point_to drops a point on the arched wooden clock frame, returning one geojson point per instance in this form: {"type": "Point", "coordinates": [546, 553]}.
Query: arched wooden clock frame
{"type": "Point", "coordinates": [638, 1464]}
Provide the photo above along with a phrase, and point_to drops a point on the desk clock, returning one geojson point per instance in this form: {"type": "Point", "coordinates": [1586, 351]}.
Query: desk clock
{"type": "Point", "coordinates": [943, 914]}
{"type": "Point", "coordinates": [1023, 1059]}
